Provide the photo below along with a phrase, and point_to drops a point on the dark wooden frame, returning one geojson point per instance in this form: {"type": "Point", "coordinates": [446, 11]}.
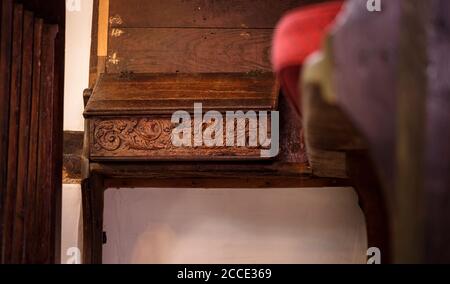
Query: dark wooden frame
{"type": "Point", "coordinates": [188, 175]}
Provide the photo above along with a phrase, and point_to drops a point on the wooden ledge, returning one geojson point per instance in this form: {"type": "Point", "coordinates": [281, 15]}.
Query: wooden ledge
{"type": "Point", "coordinates": [231, 183]}
{"type": "Point", "coordinates": [258, 174]}
{"type": "Point", "coordinates": [131, 94]}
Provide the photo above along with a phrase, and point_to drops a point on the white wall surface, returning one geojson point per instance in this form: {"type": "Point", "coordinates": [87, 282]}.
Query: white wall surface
{"type": "Point", "coordinates": [207, 226]}
{"type": "Point", "coordinates": [71, 213]}
{"type": "Point", "coordinates": [78, 43]}
{"type": "Point", "coordinates": [319, 225]}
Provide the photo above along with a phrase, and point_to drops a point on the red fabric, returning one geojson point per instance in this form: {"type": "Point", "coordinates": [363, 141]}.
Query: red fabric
{"type": "Point", "coordinates": [297, 35]}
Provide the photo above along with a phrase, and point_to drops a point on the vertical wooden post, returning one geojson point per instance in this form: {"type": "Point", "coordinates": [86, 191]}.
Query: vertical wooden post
{"type": "Point", "coordinates": [23, 137]}
{"type": "Point", "coordinates": [93, 192]}
{"type": "Point", "coordinates": [31, 219]}
{"type": "Point", "coordinates": [13, 131]}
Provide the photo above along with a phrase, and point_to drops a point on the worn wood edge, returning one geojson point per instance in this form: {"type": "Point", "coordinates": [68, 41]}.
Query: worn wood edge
{"type": "Point", "coordinates": [76, 151]}
{"type": "Point", "coordinates": [208, 170]}
{"type": "Point", "coordinates": [168, 111]}
{"type": "Point", "coordinates": [181, 158]}
{"type": "Point", "coordinates": [91, 111]}
{"type": "Point", "coordinates": [327, 163]}
{"type": "Point", "coordinates": [73, 148]}
{"type": "Point", "coordinates": [86, 96]}
{"type": "Point", "coordinates": [231, 183]}
{"type": "Point", "coordinates": [93, 60]}
{"type": "Point", "coordinates": [103, 16]}
{"type": "Point", "coordinates": [85, 166]}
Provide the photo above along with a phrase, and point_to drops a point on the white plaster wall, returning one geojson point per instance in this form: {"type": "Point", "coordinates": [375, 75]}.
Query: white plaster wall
{"type": "Point", "coordinates": [71, 217]}
{"type": "Point", "coordinates": [207, 226]}
{"type": "Point", "coordinates": [78, 44]}
{"type": "Point", "coordinates": [249, 226]}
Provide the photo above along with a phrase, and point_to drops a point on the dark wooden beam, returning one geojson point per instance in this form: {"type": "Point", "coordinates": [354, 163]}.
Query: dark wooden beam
{"type": "Point", "coordinates": [73, 148]}
{"type": "Point", "coordinates": [14, 112]}
{"type": "Point", "coordinates": [6, 19]}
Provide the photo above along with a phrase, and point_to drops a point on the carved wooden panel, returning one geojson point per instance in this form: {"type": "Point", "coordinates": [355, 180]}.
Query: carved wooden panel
{"type": "Point", "coordinates": [130, 114]}
{"type": "Point", "coordinates": [149, 138]}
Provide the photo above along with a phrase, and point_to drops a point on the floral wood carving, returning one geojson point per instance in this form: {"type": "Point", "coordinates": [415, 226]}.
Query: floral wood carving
{"type": "Point", "coordinates": [138, 134]}
{"type": "Point", "coordinates": [150, 138]}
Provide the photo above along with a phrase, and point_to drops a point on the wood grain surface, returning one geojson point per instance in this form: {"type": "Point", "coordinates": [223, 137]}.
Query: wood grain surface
{"type": "Point", "coordinates": [24, 134]}
{"type": "Point", "coordinates": [180, 50]}
{"type": "Point", "coordinates": [32, 77]}
{"type": "Point", "coordinates": [165, 93]}
{"type": "Point", "coordinates": [14, 101]}
{"type": "Point", "coordinates": [200, 13]}
{"type": "Point", "coordinates": [30, 216]}
{"type": "Point", "coordinates": [5, 71]}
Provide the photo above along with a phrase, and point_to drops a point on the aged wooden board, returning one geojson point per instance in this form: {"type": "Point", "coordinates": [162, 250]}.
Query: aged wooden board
{"type": "Point", "coordinates": [181, 50]}
{"type": "Point", "coordinates": [166, 93]}
{"type": "Point", "coordinates": [292, 142]}
{"type": "Point", "coordinates": [229, 182]}
{"type": "Point", "coordinates": [200, 13]}
{"type": "Point", "coordinates": [93, 60]}
{"type": "Point", "coordinates": [30, 216]}
{"type": "Point", "coordinates": [46, 146]}
{"type": "Point", "coordinates": [23, 137]}
{"type": "Point", "coordinates": [6, 19]}
{"type": "Point", "coordinates": [16, 72]}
